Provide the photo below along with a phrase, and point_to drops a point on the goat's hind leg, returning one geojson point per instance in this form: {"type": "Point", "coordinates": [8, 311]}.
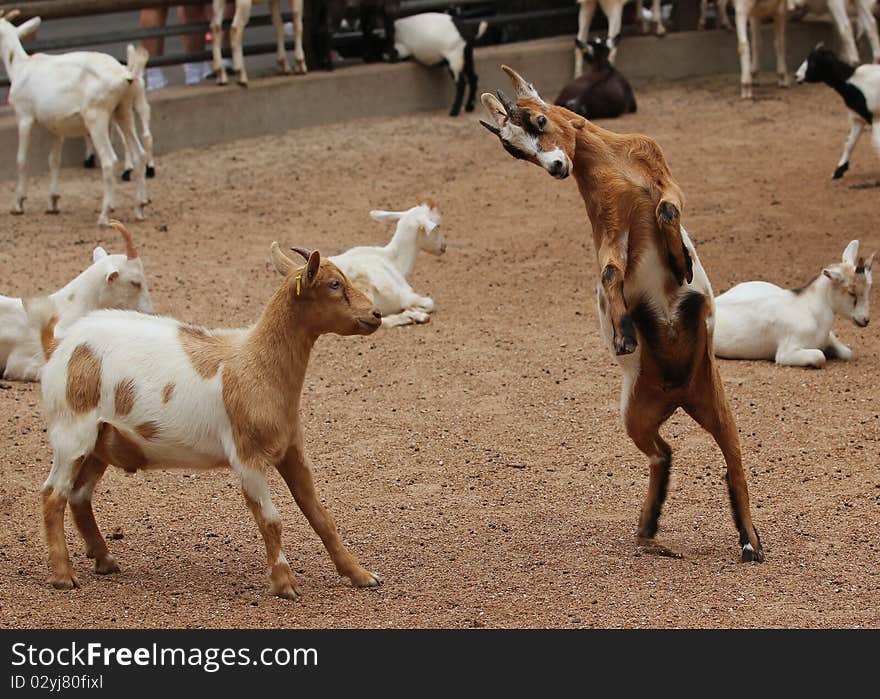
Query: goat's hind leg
{"type": "Point", "coordinates": [613, 259]}
{"type": "Point", "coordinates": [98, 124]}
{"type": "Point", "coordinates": [835, 349]}
{"type": "Point", "coordinates": [135, 151]}
{"type": "Point", "coordinates": [54, 171]}
{"type": "Point", "coordinates": [280, 51]}
{"type": "Point", "coordinates": [217, 9]}
{"type": "Point", "coordinates": [24, 139]}
{"type": "Point", "coordinates": [236, 36]}
{"type": "Point", "coordinates": [708, 405]}
{"type": "Point", "coordinates": [84, 517]}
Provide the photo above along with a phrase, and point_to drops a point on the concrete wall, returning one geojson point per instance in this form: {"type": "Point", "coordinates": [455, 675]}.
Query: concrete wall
{"type": "Point", "coordinates": [198, 116]}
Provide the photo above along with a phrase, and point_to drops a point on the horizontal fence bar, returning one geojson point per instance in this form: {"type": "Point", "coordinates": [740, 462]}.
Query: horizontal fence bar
{"type": "Point", "coordinates": [59, 9]}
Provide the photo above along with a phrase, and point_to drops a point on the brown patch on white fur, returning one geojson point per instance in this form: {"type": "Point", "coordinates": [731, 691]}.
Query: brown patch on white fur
{"type": "Point", "coordinates": [83, 379]}
{"type": "Point", "coordinates": [124, 397]}
{"type": "Point", "coordinates": [206, 351]}
{"type": "Point", "coordinates": [167, 392]}
{"type": "Point", "coordinates": [115, 448]}
{"type": "Point", "coordinates": [47, 337]}
{"type": "Point", "coordinates": [148, 430]}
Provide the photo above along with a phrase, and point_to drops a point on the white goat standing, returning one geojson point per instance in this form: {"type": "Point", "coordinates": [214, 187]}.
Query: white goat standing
{"type": "Point", "coordinates": [137, 58]}
{"type": "Point", "coordinates": [749, 14]}
{"type": "Point", "coordinates": [613, 10]}
{"type": "Point", "coordinates": [236, 34]}
{"type": "Point", "coordinates": [838, 11]}
{"type": "Point", "coordinates": [759, 320]}
{"type": "Point", "coordinates": [71, 95]}
{"type": "Point", "coordinates": [111, 281]}
{"type": "Point", "coordinates": [380, 272]}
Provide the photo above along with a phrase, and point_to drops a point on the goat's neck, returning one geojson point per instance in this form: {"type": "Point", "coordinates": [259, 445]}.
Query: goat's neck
{"type": "Point", "coordinates": [817, 299]}
{"type": "Point", "coordinates": [278, 347]}
{"type": "Point", "coordinates": [592, 148]}
{"type": "Point", "coordinates": [403, 248]}
{"type": "Point", "coordinates": [840, 73]}
{"type": "Point", "coordinates": [79, 296]}
{"type": "Point", "coordinates": [14, 56]}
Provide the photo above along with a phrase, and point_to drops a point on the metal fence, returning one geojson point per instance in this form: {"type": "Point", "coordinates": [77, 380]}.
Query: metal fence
{"type": "Point", "coordinates": [509, 20]}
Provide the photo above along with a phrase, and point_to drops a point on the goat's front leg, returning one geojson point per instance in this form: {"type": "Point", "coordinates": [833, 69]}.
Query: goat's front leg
{"type": "Point", "coordinates": [585, 19]}
{"type": "Point", "coordinates": [742, 47]}
{"type": "Point", "coordinates": [844, 31]}
{"type": "Point", "coordinates": [299, 56]}
{"type": "Point", "coordinates": [835, 349]}
{"type": "Point", "coordinates": [657, 13]}
{"type": "Point", "coordinates": [779, 44]}
{"type": "Point", "coordinates": [280, 52]}
{"type": "Point", "coordinates": [236, 36]}
{"type": "Point", "coordinates": [615, 22]}
{"type": "Point", "coordinates": [24, 138]}
{"type": "Point", "coordinates": [135, 152]}
{"type": "Point", "coordinates": [612, 262]}
{"type": "Point", "coordinates": [856, 128]}
{"type": "Point", "coordinates": [98, 124]}
{"type": "Point", "coordinates": [218, 7]}
{"type": "Point", "coordinates": [297, 473]}
{"type": "Point", "coordinates": [255, 488]}
{"type": "Point", "coordinates": [54, 170]}
{"type": "Point", "coordinates": [796, 356]}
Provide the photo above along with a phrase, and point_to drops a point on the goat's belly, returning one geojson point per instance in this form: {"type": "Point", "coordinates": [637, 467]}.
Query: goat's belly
{"type": "Point", "coordinates": [69, 126]}
{"type": "Point", "coordinates": [740, 334]}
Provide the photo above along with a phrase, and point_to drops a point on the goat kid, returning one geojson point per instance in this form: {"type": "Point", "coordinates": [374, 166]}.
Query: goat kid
{"type": "Point", "coordinates": [859, 88]}
{"type": "Point", "coordinates": [654, 317]}
{"type": "Point", "coordinates": [759, 320]}
{"type": "Point", "coordinates": [613, 10]}
{"type": "Point", "coordinates": [111, 281]}
{"type": "Point", "coordinates": [71, 95]}
{"type": "Point", "coordinates": [370, 14]}
{"type": "Point", "coordinates": [145, 392]}
{"type": "Point", "coordinates": [435, 37]}
{"type": "Point", "coordinates": [137, 58]}
{"type": "Point", "coordinates": [236, 35]}
{"type": "Point", "coordinates": [603, 93]}
{"type": "Point", "coordinates": [381, 272]}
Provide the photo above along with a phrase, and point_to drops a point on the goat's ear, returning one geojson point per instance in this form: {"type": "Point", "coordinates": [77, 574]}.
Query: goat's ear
{"type": "Point", "coordinates": [312, 267]}
{"type": "Point", "coordinates": [834, 275]}
{"type": "Point", "coordinates": [112, 275]}
{"type": "Point", "coordinates": [496, 110]}
{"type": "Point", "coordinates": [25, 29]}
{"type": "Point", "coordinates": [851, 254]}
{"type": "Point", "coordinates": [98, 253]}
{"type": "Point", "coordinates": [380, 215]}
{"type": "Point", "coordinates": [281, 261]}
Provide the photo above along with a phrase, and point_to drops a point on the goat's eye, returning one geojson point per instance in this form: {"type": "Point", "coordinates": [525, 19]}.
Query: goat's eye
{"type": "Point", "coordinates": [335, 284]}
{"type": "Point", "coordinates": [541, 122]}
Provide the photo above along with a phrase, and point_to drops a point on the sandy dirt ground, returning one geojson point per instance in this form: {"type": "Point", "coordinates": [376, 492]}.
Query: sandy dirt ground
{"type": "Point", "coordinates": [478, 462]}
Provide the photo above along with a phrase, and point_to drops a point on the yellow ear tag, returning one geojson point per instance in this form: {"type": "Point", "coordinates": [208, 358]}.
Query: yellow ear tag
{"type": "Point", "coordinates": [298, 284]}
{"type": "Point", "coordinates": [421, 228]}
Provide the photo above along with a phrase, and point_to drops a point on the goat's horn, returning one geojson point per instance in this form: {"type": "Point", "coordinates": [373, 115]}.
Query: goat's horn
{"type": "Point", "coordinates": [521, 87]}
{"type": "Point", "coordinates": [13, 14]}
{"type": "Point", "coordinates": [509, 107]}
{"type": "Point", "coordinates": [494, 129]}
{"type": "Point", "coordinates": [130, 250]}
{"type": "Point", "coordinates": [306, 254]}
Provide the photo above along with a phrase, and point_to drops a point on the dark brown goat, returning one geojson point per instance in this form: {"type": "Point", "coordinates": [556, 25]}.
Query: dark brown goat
{"type": "Point", "coordinates": [370, 13]}
{"type": "Point", "coordinates": [601, 93]}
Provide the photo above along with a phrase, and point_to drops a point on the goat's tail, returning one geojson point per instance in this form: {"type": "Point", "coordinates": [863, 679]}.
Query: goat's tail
{"type": "Point", "coordinates": [43, 316]}
{"type": "Point", "coordinates": [467, 33]}
{"type": "Point", "coordinates": [481, 29]}
{"type": "Point", "coordinates": [136, 61]}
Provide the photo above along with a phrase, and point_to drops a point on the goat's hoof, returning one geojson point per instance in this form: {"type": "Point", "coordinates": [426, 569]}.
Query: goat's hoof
{"type": "Point", "coordinates": [626, 345]}
{"type": "Point", "coordinates": [839, 170]}
{"type": "Point", "coordinates": [53, 212]}
{"type": "Point", "coordinates": [746, 91]}
{"type": "Point", "coordinates": [126, 175]}
{"type": "Point", "coordinates": [150, 172]}
{"type": "Point", "coordinates": [287, 590]}
{"type": "Point", "coordinates": [661, 30]}
{"type": "Point", "coordinates": [64, 582]}
{"type": "Point", "coordinates": [89, 163]}
{"type": "Point", "coordinates": [364, 578]}
{"type": "Point", "coordinates": [18, 207]}
{"type": "Point", "coordinates": [107, 565]}
{"type": "Point", "coordinates": [104, 221]}
{"type": "Point", "coordinates": [469, 107]}
{"type": "Point", "coordinates": [299, 67]}
{"type": "Point", "coordinates": [784, 80]}
{"type": "Point", "coordinates": [242, 82]}
{"type": "Point", "coordinates": [454, 112]}
{"type": "Point", "coordinates": [222, 79]}
{"type": "Point", "coordinates": [750, 555]}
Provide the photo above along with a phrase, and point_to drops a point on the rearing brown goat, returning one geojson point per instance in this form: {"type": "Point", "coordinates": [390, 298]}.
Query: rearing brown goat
{"type": "Point", "coordinates": [656, 309]}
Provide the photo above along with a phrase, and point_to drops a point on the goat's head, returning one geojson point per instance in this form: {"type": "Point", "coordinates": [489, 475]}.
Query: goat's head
{"type": "Point", "coordinates": [817, 66]}
{"type": "Point", "coordinates": [333, 304]}
{"type": "Point", "coordinates": [426, 222]}
{"type": "Point", "coordinates": [530, 129]}
{"type": "Point", "coordinates": [9, 33]}
{"type": "Point", "coordinates": [851, 285]}
{"type": "Point", "coordinates": [123, 282]}
{"type": "Point", "coordinates": [597, 50]}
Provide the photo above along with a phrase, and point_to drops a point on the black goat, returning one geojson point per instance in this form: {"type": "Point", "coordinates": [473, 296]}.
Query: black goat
{"type": "Point", "coordinates": [370, 14]}
{"type": "Point", "coordinates": [602, 92]}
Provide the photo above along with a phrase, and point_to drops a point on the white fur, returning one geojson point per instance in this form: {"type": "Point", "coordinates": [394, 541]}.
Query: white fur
{"type": "Point", "coordinates": [109, 282]}
{"type": "Point", "coordinates": [236, 33]}
{"type": "Point", "coordinates": [613, 10]}
{"type": "Point", "coordinates": [759, 320]}
{"type": "Point", "coordinates": [867, 24]}
{"type": "Point", "coordinates": [381, 271]}
{"type": "Point", "coordinates": [71, 95]}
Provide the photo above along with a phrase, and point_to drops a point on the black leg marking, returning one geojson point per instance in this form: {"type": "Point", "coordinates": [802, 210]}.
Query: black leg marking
{"type": "Point", "coordinates": [839, 170]}
{"type": "Point", "coordinates": [89, 163]}
{"type": "Point", "coordinates": [459, 96]}
{"type": "Point", "coordinates": [626, 343]}
{"type": "Point", "coordinates": [151, 171]}
{"type": "Point", "coordinates": [126, 175]}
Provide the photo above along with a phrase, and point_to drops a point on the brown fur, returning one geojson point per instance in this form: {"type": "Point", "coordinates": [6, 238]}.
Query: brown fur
{"type": "Point", "coordinates": [47, 337]}
{"type": "Point", "coordinates": [206, 350]}
{"type": "Point", "coordinates": [124, 397]}
{"type": "Point", "coordinates": [115, 448]}
{"type": "Point", "coordinates": [83, 379]}
{"type": "Point", "coordinates": [167, 392]}
{"type": "Point", "coordinates": [148, 430]}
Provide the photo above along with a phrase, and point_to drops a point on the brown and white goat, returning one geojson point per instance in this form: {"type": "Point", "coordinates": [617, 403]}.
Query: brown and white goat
{"type": "Point", "coordinates": [145, 392]}
{"type": "Point", "coordinates": [655, 301]}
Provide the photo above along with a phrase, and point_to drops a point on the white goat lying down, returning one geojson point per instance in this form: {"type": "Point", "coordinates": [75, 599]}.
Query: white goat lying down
{"type": "Point", "coordinates": [111, 281]}
{"type": "Point", "coordinates": [381, 272]}
{"type": "Point", "coordinates": [137, 58]}
{"type": "Point", "coordinates": [71, 95]}
{"type": "Point", "coordinates": [759, 320]}
{"type": "Point", "coordinates": [147, 392]}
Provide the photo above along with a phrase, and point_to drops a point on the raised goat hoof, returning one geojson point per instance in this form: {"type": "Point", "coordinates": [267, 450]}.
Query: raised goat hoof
{"type": "Point", "coordinates": [151, 172]}
{"type": "Point", "coordinates": [64, 582]}
{"type": "Point", "coordinates": [126, 175]}
{"type": "Point", "coordinates": [668, 212]}
{"type": "Point", "coordinates": [626, 345]}
{"type": "Point", "coordinates": [89, 163]}
{"type": "Point", "coordinates": [107, 565]}
{"type": "Point", "coordinates": [839, 170]}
